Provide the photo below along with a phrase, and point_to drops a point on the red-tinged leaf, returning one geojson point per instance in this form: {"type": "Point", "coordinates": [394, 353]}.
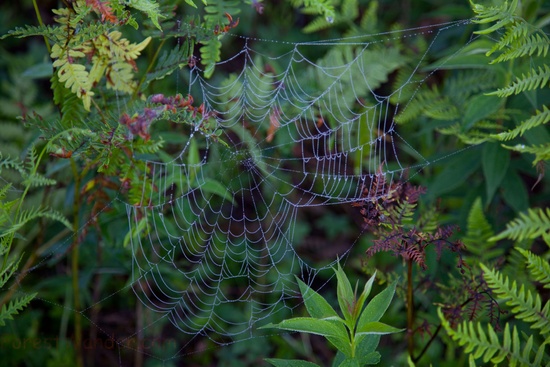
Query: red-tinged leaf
{"type": "Point", "coordinates": [103, 8]}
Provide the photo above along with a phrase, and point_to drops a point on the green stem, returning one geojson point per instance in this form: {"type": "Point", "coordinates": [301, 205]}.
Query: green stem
{"type": "Point", "coordinates": [410, 308]}
{"type": "Point", "coordinates": [75, 254]}
{"type": "Point", "coordinates": [39, 17]}
{"type": "Point", "coordinates": [149, 68]}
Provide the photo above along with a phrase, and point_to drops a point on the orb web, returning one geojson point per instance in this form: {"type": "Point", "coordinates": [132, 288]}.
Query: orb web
{"type": "Point", "coordinates": [213, 234]}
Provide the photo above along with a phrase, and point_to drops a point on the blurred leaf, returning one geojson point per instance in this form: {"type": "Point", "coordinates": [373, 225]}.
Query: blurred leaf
{"type": "Point", "coordinates": [495, 162]}
{"type": "Point", "coordinates": [290, 363]}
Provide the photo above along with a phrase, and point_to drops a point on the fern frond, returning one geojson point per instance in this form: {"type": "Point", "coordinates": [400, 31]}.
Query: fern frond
{"type": "Point", "coordinates": [168, 62]}
{"type": "Point", "coordinates": [539, 118]}
{"type": "Point", "coordinates": [431, 103]}
{"type": "Point", "coordinates": [541, 152]}
{"type": "Point", "coordinates": [533, 80]}
{"type": "Point", "coordinates": [478, 233]}
{"type": "Point", "coordinates": [14, 307]}
{"type": "Point", "coordinates": [215, 14]}
{"type": "Point", "coordinates": [53, 33]}
{"type": "Point", "coordinates": [524, 305]}
{"type": "Point", "coordinates": [210, 55]}
{"type": "Point", "coordinates": [467, 83]}
{"type": "Point", "coordinates": [538, 267]}
{"type": "Point", "coordinates": [73, 75]}
{"type": "Point", "coordinates": [535, 44]}
{"type": "Point", "coordinates": [502, 14]}
{"type": "Point", "coordinates": [533, 224]}
{"type": "Point", "coordinates": [27, 216]}
{"type": "Point", "coordinates": [149, 7]}
{"type": "Point", "coordinates": [486, 345]}
{"type": "Point", "coordinates": [322, 7]}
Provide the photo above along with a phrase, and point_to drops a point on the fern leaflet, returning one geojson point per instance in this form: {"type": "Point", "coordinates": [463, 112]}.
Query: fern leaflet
{"type": "Point", "coordinates": [540, 118]}
{"type": "Point", "coordinates": [533, 224]}
{"type": "Point", "coordinates": [524, 305]}
{"type": "Point", "coordinates": [539, 268]}
{"type": "Point", "coordinates": [487, 345]}
{"type": "Point", "coordinates": [533, 80]}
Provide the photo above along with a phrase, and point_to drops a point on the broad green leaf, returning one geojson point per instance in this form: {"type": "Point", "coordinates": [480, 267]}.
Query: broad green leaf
{"type": "Point", "coordinates": [366, 349]}
{"type": "Point", "coordinates": [377, 306]}
{"type": "Point", "coordinates": [364, 295]}
{"type": "Point", "coordinates": [376, 327]}
{"type": "Point", "coordinates": [346, 298]}
{"type": "Point", "coordinates": [290, 363]}
{"type": "Point", "coordinates": [480, 107]}
{"type": "Point", "coordinates": [456, 172]}
{"type": "Point", "coordinates": [495, 161]}
{"type": "Point", "coordinates": [310, 325]}
{"type": "Point", "coordinates": [514, 191]}
{"type": "Point", "coordinates": [316, 305]}
{"type": "Point", "coordinates": [216, 188]}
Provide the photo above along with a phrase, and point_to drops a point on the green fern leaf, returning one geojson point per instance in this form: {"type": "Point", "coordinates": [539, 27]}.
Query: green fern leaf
{"type": "Point", "coordinates": [168, 62]}
{"type": "Point", "coordinates": [539, 267]}
{"type": "Point", "coordinates": [210, 55]}
{"type": "Point", "coordinates": [53, 33]}
{"type": "Point", "coordinates": [149, 7]}
{"type": "Point", "coordinates": [533, 80]}
{"type": "Point", "coordinates": [322, 7]}
{"type": "Point", "coordinates": [540, 118]}
{"type": "Point", "coordinates": [478, 233]}
{"type": "Point", "coordinates": [535, 44]}
{"type": "Point", "coordinates": [524, 305]}
{"type": "Point", "coordinates": [533, 224]}
{"type": "Point", "coordinates": [541, 152]}
{"type": "Point", "coordinates": [487, 346]}
{"type": "Point", "coordinates": [14, 307]}
{"type": "Point", "coordinates": [501, 14]}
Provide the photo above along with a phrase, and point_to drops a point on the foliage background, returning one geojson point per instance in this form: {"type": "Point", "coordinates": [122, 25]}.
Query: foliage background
{"type": "Point", "coordinates": [506, 182]}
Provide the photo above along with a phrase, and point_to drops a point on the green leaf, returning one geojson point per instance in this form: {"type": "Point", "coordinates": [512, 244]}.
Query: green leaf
{"type": "Point", "coordinates": [216, 188]}
{"type": "Point", "coordinates": [310, 325]}
{"type": "Point", "coordinates": [377, 306]}
{"type": "Point", "coordinates": [376, 327]}
{"type": "Point", "coordinates": [514, 191]}
{"type": "Point", "coordinates": [346, 298]}
{"type": "Point", "coordinates": [456, 172]}
{"type": "Point", "coordinates": [495, 161]}
{"type": "Point", "coordinates": [149, 7]}
{"type": "Point", "coordinates": [290, 363]}
{"type": "Point", "coordinates": [364, 295]}
{"type": "Point", "coordinates": [316, 305]}
{"type": "Point", "coordinates": [480, 107]}
{"type": "Point", "coordinates": [350, 362]}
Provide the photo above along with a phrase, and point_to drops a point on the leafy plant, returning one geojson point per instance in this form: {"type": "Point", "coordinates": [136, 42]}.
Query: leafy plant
{"type": "Point", "coordinates": [13, 218]}
{"type": "Point", "coordinates": [514, 348]}
{"type": "Point", "coordinates": [355, 335]}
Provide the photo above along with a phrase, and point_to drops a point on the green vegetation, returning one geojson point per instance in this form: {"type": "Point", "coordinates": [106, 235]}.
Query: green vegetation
{"type": "Point", "coordinates": [77, 183]}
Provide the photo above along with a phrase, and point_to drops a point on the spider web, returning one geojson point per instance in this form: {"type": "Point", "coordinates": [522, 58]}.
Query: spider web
{"type": "Point", "coordinates": [213, 236]}
{"type": "Point", "coordinates": [281, 134]}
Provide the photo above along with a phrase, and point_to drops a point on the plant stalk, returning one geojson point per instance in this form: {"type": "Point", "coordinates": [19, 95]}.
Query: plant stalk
{"type": "Point", "coordinates": [410, 308]}
{"type": "Point", "coordinates": [75, 255]}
